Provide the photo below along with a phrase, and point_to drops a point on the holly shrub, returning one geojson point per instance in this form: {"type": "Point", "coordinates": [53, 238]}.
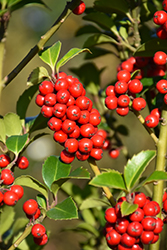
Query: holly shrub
{"type": "Point", "coordinates": [116, 204]}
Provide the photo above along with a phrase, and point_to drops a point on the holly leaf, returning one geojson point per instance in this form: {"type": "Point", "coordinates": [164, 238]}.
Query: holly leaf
{"type": "Point", "coordinates": [16, 143]}
{"type": "Point", "coordinates": [111, 179]}
{"type": "Point", "coordinates": [87, 29]}
{"type": "Point", "coordinates": [24, 101]}
{"type": "Point", "coordinates": [50, 54]}
{"type": "Point", "coordinates": [37, 76]}
{"type": "Point", "coordinates": [66, 210]}
{"type": "Point", "coordinates": [6, 219]}
{"type": "Point", "coordinates": [97, 39]}
{"type": "Point", "coordinates": [127, 208]}
{"type": "Point", "coordinates": [13, 124]}
{"type": "Point", "coordinates": [136, 166]}
{"type": "Point", "coordinates": [40, 122]}
{"type": "Point", "coordinates": [53, 169]}
{"type": "Point", "coordinates": [41, 199]}
{"type": "Point", "coordinates": [149, 48]}
{"type": "Point", "coordinates": [92, 202]}
{"type": "Point", "coordinates": [2, 131]}
{"type": "Point", "coordinates": [68, 56]}
{"type": "Point", "coordinates": [154, 177]}
{"type": "Point", "coordinates": [96, 52]}
{"type": "Point", "coordinates": [29, 181]}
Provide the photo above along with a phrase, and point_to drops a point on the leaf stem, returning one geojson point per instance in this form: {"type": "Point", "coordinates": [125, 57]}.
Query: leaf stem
{"type": "Point", "coordinates": [160, 166]}
{"type": "Point", "coordinates": [150, 131]}
{"type": "Point", "coordinates": [39, 46]}
{"type": "Point", "coordinates": [26, 232]}
{"type": "Point", "coordinates": [106, 190]}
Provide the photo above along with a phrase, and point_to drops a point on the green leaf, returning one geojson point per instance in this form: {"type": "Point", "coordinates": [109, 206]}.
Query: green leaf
{"type": "Point", "coordinates": [119, 6]}
{"type": "Point", "coordinates": [12, 124]}
{"type": "Point", "coordinates": [68, 56]}
{"type": "Point", "coordinates": [149, 48]}
{"type": "Point", "coordinates": [6, 219]}
{"type": "Point", "coordinates": [85, 227]}
{"type": "Point", "coordinates": [19, 225]}
{"type": "Point", "coordinates": [103, 20]}
{"type": "Point", "coordinates": [39, 123]}
{"type": "Point", "coordinates": [17, 4]}
{"type": "Point", "coordinates": [24, 101]}
{"type": "Point", "coordinates": [123, 32]}
{"type": "Point", "coordinates": [98, 39]}
{"type": "Point", "coordinates": [80, 173]}
{"type": "Point", "coordinates": [92, 202]}
{"type": "Point", "coordinates": [29, 181]}
{"type": "Point", "coordinates": [91, 79]}
{"type": "Point", "coordinates": [16, 143]}
{"type": "Point", "coordinates": [50, 54]}
{"type": "Point", "coordinates": [53, 169]}
{"type": "Point", "coordinates": [111, 179]}
{"type": "Point", "coordinates": [155, 176]}
{"type": "Point", "coordinates": [136, 166]}
{"type": "Point", "coordinates": [41, 199]}
{"type": "Point", "coordinates": [87, 29]}
{"type": "Point", "coordinates": [37, 76]}
{"type": "Point", "coordinates": [66, 210]}
{"type": "Point", "coordinates": [2, 131]}
{"type": "Point", "coordinates": [127, 208]}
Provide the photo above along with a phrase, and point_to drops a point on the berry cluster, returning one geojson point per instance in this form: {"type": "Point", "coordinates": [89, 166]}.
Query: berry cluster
{"type": "Point", "coordinates": [32, 211]}
{"type": "Point", "coordinates": [71, 117]}
{"type": "Point", "coordinates": [160, 18]}
{"type": "Point", "coordinates": [138, 228]}
{"type": "Point", "coordinates": [10, 195]}
{"type": "Point", "coordinates": [80, 8]}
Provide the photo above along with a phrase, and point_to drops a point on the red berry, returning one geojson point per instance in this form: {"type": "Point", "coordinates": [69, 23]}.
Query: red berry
{"type": "Point", "coordinates": [123, 100]}
{"type": "Point", "coordinates": [160, 17]}
{"type": "Point", "coordinates": [122, 111]}
{"type": "Point", "coordinates": [87, 130]}
{"type": "Point", "coordinates": [1, 197]}
{"type": "Point", "coordinates": [111, 102]}
{"type": "Point", "coordinates": [60, 75]}
{"type": "Point", "coordinates": [113, 238]}
{"type": "Point", "coordinates": [138, 103]}
{"type": "Point", "coordinates": [30, 207]}
{"type": "Point", "coordinates": [160, 57]}
{"type": "Point", "coordinates": [83, 102]}
{"type": "Point", "coordinates": [35, 216]}
{"type": "Point", "coordinates": [121, 225]}
{"type": "Point", "coordinates": [80, 8]}
{"type": "Point", "coordinates": [22, 162]}
{"type": "Point", "coordinates": [127, 65]}
{"type": "Point", "coordinates": [106, 144]}
{"type": "Point", "coordinates": [84, 117]}
{"type": "Point", "coordinates": [75, 133]}
{"type": "Point", "coordinates": [60, 136]}
{"type": "Point", "coordinates": [61, 83]}
{"type": "Point", "coordinates": [95, 119]}
{"type": "Point", "coordinates": [123, 75]}
{"type": "Point", "coordinates": [161, 33]}
{"type": "Point", "coordinates": [59, 110]}
{"type": "Point", "coordinates": [158, 225]}
{"type": "Point", "coordinates": [47, 111]}
{"type": "Point", "coordinates": [73, 112]}
{"type": "Point", "coordinates": [110, 91]}
{"type": "Point", "coordinates": [63, 96]}
{"type": "Point", "coordinates": [67, 157]}
{"type": "Point", "coordinates": [96, 153]}
{"type": "Point", "coordinates": [46, 87]}
{"type": "Point", "coordinates": [127, 240]}
{"type": "Point", "coordinates": [39, 100]}
{"type": "Point", "coordinates": [121, 87]}
{"type": "Point", "coordinates": [147, 237]}
{"type": "Point", "coordinates": [114, 153]}
{"type": "Point", "coordinates": [140, 199]}
{"type": "Point", "coordinates": [71, 101]}
{"type": "Point", "coordinates": [98, 141]}
{"type": "Point", "coordinates": [81, 156]}
{"type": "Point", "coordinates": [148, 223]}
{"type": "Point", "coordinates": [164, 5]}
{"type": "Point", "coordinates": [17, 189]}
{"type": "Point", "coordinates": [149, 209]}
{"type": "Point", "coordinates": [156, 112]}
{"type": "Point", "coordinates": [7, 176]}
{"type": "Point", "coordinates": [38, 230]}
{"type": "Point", "coordinates": [50, 99]}
{"type": "Point", "coordinates": [71, 145]}
{"type": "Point", "coordinates": [54, 124]}
{"type": "Point", "coordinates": [151, 121]}
{"type": "Point", "coordinates": [164, 196]}
{"type": "Point", "coordinates": [68, 126]}
{"type": "Point", "coordinates": [137, 215]}
{"type": "Point", "coordinates": [110, 215]}
{"type": "Point", "coordinates": [165, 206]}
{"type": "Point", "coordinates": [85, 145]}
{"type": "Point", "coordinates": [76, 89]}
{"type": "Point", "coordinates": [134, 229]}
{"type": "Point", "coordinates": [4, 160]}
{"type": "Point", "coordinates": [135, 86]}
{"type": "Point", "coordinates": [102, 132]}
{"type": "Point", "coordinates": [10, 198]}
{"type": "Point", "coordinates": [41, 241]}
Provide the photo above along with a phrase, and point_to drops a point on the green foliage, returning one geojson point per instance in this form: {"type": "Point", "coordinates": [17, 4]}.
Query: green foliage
{"type": "Point", "coordinates": [37, 76]}
{"type": "Point", "coordinates": [127, 208]}
{"type": "Point", "coordinates": [65, 210]}
{"type": "Point", "coordinates": [13, 124]}
{"type": "Point", "coordinates": [16, 143]}
{"type": "Point", "coordinates": [6, 219]}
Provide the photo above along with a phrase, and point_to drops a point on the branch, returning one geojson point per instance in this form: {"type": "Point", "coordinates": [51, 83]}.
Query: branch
{"type": "Point", "coordinates": [39, 46]}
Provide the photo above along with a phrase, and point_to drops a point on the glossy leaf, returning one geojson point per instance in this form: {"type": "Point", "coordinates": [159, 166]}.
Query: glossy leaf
{"type": "Point", "coordinates": [39, 123]}
{"type": "Point", "coordinates": [53, 169]}
{"type": "Point", "coordinates": [103, 20]}
{"type": "Point", "coordinates": [2, 131]}
{"type": "Point", "coordinates": [29, 181]}
{"type": "Point", "coordinates": [119, 6]}
{"type": "Point", "coordinates": [16, 143]}
{"type": "Point", "coordinates": [149, 48]}
{"type": "Point", "coordinates": [155, 176]}
{"type": "Point", "coordinates": [87, 29]}
{"type": "Point", "coordinates": [68, 56]}
{"type": "Point", "coordinates": [97, 39]}
{"type": "Point", "coordinates": [127, 208]}
{"type": "Point", "coordinates": [136, 166]}
{"type": "Point", "coordinates": [50, 54]}
{"type": "Point", "coordinates": [92, 202]}
{"type": "Point", "coordinates": [6, 219]}
{"type": "Point", "coordinates": [24, 101]}
{"type": "Point", "coordinates": [66, 210]}
{"type": "Point", "coordinates": [111, 179]}
{"type": "Point", "coordinates": [37, 76]}
{"type": "Point", "coordinates": [79, 173]}
{"type": "Point", "coordinates": [91, 79]}
{"type": "Point", "coordinates": [12, 124]}
{"type": "Point", "coordinates": [41, 199]}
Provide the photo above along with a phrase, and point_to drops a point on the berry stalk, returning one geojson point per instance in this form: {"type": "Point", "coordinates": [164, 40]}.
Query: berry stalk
{"type": "Point", "coordinates": [160, 166]}
{"type": "Point", "coordinates": [106, 190]}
